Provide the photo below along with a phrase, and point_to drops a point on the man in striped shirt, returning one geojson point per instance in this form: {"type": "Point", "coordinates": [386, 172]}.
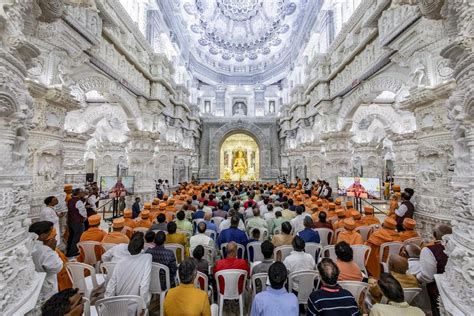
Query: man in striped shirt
{"type": "Point", "coordinates": [331, 299]}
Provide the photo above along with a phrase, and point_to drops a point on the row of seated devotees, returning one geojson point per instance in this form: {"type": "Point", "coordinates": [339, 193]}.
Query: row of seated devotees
{"type": "Point", "coordinates": [250, 216]}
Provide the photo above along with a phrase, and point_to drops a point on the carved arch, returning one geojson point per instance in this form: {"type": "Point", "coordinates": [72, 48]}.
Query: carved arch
{"type": "Point", "coordinates": [249, 129]}
{"type": "Point", "coordinates": [366, 93]}
{"type": "Point", "coordinates": [110, 89]}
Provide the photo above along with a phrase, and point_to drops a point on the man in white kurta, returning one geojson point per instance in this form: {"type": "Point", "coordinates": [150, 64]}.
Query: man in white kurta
{"type": "Point", "coordinates": [116, 253]}
{"type": "Point", "coordinates": [49, 214]}
{"type": "Point", "coordinates": [201, 238]}
{"type": "Point", "coordinates": [45, 257]}
{"type": "Point", "coordinates": [132, 274]}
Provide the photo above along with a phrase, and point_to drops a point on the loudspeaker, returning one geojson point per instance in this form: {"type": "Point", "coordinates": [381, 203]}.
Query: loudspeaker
{"type": "Point", "coordinates": [89, 177]}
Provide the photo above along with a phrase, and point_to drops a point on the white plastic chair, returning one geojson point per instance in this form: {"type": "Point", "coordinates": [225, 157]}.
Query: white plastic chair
{"type": "Point", "coordinates": [355, 287]}
{"type": "Point", "coordinates": [415, 240]}
{"type": "Point", "coordinates": [86, 285]}
{"type": "Point", "coordinates": [325, 235]}
{"type": "Point", "coordinates": [313, 249]}
{"type": "Point", "coordinates": [277, 230]}
{"type": "Point", "coordinates": [392, 248]}
{"type": "Point", "coordinates": [187, 233]}
{"type": "Point", "coordinates": [336, 234]}
{"type": "Point", "coordinates": [209, 254]}
{"type": "Point", "coordinates": [231, 287]}
{"type": "Point", "coordinates": [143, 230]}
{"type": "Point", "coordinates": [364, 231]}
{"type": "Point", "coordinates": [174, 248]}
{"type": "Point", "coordinates": [107, 268]}
{"type": "Point", "coordinates": [281, 252]}
{"type": "Point", "coordinates": [88, 249]}
{"type": "Point", "coordinates": [108, 246]}
{"type": "Point", "coordinates": [217, 220]}
{"type": "Point", "coordinates": [196, 222]}
{"type": "Point", "coordinates": [262, 278]}
{"type": "Point", "coordinates": [361, 255]}
{"type": "Point", "coordinates": [155, 283]}
{"type": "Point", "coordinates": [120, 305]}
{"type": "Point", "coordinates": [329, 252]}
{"type": "Point", "coordinates": [202, 278]}
{"type": "Point", "coordinates": [205, 281]}
{"type": "Point", "coordinates": [305, 280]}
{"type": "Point", "coordinates": [411, 293]}
{"type": "Point", "coordinates": [211, 234]}
{"type": "Point", "coordinates": [257, 251]}
{"type": "Point", "coordinates": [240, 251]}
{"type": "Point", "coordinates": [375, 227]}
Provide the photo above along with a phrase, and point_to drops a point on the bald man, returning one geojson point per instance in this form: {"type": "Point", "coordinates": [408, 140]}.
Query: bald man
{"type": "Point", "coordinates": [231, 262]}
{"type": "Point", "coordinates": [433, 261]}
{"type": "Point", "coordinates": [412, 253]}
{"type": "Point", "coordinates": [398, 267]}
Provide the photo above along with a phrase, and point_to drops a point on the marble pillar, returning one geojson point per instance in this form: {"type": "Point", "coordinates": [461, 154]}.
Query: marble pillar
{"type": "Point", "coordinates": [259, 95]}
{"type": "Point", "coordinates": [337, 157]}
{"type": "Point", "coordinates": [434, 168]}
{"type": "Point", "coordinates": [20, 283]}
{"type": "Point", "coordinates": [404, 146]}
{"type": "Point", "coordinates": [74, 160]}
{"type": "Point", "coordinates": [456, 284]}
{"type": "Point", "coordinates": [219, 109]}
{"type": "Point", "coordinates": [46, 145]}
{"type": "Point", "coordinates": [141, 161]}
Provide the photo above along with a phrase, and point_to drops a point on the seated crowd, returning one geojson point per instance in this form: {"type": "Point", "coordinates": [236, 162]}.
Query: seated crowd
{"type": "Point", "coordinates": [296, 253]}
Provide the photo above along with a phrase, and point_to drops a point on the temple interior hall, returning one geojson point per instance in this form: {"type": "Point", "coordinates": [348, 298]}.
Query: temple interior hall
{"type": "Point", "coordinates": [126, 118]}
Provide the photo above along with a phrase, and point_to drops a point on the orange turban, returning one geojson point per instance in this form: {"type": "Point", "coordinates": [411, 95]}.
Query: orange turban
{"type": "Point", "coordinates": [409, 223]}
{"type": "Point", "coordinates": [147, 206]}
{"type": "Point", "coordinates": [332, 206]}
{"type": "Point", "coordinates": [162, 206]}
{"type": "Point", "coordinates": [340, 212]}
{"type": "Point", "coordinates": [127, 213]}
{"type": "Point", "coordinates": [349, 224]}
{"type": "Point", "coordinates": [52, 234]}
{"type": "Point", "coordinates": [356, 215]}
{"type": "Point", "coordinates": [349, 204]}
{"type": "Point", "coordinates": [144, 214]}
{"type": "Point", "coordinates": [118, 223]}
{"type": "Point", "coordinates": [396, 188]}
{"type": "Point", "coordinates": [368, 209]}
{"type": "Point", "coordinates": [389, 223]}
{"type": "Point", "coordinates": [94, 219]}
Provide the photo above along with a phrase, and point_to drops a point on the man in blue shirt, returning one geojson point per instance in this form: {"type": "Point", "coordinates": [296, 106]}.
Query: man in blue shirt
{"type": "Point", "coordinates": [210, 225]}
{"type": "Point", "coordinates": [307, 233]}
{"type": "Point", "coordinates": [275, 300]}
{"type": "Point", "coordinates": [199, 212]}
{"type": "Point", "coordinates": [233, 234]}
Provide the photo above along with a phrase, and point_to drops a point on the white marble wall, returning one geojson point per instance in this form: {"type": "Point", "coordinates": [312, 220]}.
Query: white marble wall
{"type": "Point", "coordinates": [408, 66]}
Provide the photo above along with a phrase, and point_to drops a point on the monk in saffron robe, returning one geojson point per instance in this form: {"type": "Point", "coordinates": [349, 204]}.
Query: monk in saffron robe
{"type": "Point", "coordinates": [349, 235]}
{"type": "Point", "coordinates": [369, 218]}
{"type": "Point", "coordinates": [340, 212]}
{"type": "Point", "coordinates": [144, 220]}
{"type": "Point", "coordinates": [171, 208]}
{"type": "Point", "coordinates": [394, 204]}
{"type": "Point", "coordinates": [357, 219]}
{"type": "Point", "coordinates": [409, 225]}
{"type": "Point", "coordinates": [94, 233]}
{"type": "Point", "coordinates": [385, 234]}
{"type": "Point", "coordinates": [64, 282]}
{"type": "Point", "coordinates": [349, 209]}
{"type": "Point", "coordinates": [116, 236]}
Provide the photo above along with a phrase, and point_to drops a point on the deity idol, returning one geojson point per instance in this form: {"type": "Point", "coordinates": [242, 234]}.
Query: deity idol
{"type": "Point", "coordinates": [240, 164]}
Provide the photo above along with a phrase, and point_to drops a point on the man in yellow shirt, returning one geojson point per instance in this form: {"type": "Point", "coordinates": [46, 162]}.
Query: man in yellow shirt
{"type": "Point", "coordinates": [177, 238]}
{"type": "Point", "coordinates": [185, 299]}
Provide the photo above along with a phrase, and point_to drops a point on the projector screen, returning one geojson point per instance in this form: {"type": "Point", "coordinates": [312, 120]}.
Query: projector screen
{"type": "Point", "coordinates": [113, 186]}
{"type": "Point", "coordinates": [366, 188]}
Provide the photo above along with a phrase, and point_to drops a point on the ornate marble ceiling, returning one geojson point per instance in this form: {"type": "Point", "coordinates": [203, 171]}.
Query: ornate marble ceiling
{"type": "Point", "coordinates": [240, 41]}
